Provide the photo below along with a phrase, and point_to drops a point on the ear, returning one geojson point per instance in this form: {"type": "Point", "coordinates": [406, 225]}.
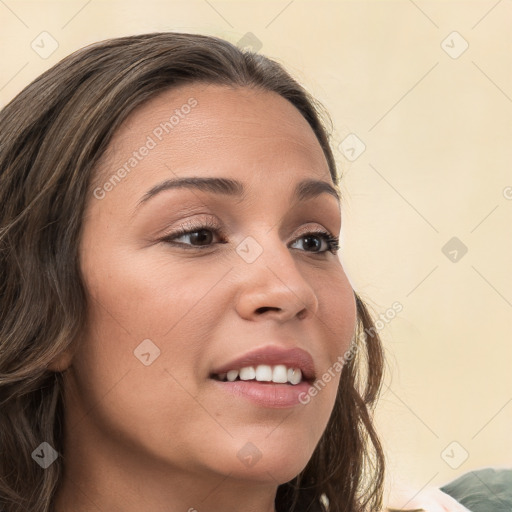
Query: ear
{"type": "Point", "coordinates": [61, 362]}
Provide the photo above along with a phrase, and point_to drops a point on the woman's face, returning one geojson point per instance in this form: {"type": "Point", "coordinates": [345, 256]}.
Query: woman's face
{"type": "Point", "coordinates": [168, 311]}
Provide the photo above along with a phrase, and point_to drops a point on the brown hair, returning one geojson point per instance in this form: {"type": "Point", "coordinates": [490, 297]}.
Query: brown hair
{"type": "Point", "coordinates": [53, 135]}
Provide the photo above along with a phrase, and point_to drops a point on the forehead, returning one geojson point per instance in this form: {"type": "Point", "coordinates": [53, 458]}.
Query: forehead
{"type": "Point", "coordinates": [205, 129]}
{"type": "Point", "coordinates": [221, 112]}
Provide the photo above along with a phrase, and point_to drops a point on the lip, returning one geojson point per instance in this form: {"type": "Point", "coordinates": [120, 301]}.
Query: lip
{"type": "Point", "coordinates": [266, 394]}
{"type": "Point", "coordinates": [272, 355]}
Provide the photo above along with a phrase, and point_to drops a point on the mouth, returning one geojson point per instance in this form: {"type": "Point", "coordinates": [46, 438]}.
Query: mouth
{"type": "Point", "coordinates": [270, 376]}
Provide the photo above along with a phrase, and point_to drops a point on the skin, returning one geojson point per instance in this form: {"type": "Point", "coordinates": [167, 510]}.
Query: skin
{"type": "Point", "coordinates": [162, 437]}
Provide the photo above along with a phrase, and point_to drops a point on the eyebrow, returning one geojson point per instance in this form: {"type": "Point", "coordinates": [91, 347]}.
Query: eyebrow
{"type": "Point", "coordinates": [304, 190]}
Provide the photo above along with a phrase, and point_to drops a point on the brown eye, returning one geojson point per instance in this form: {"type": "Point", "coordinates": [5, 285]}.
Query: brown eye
{"type": "Point", "coordinates": [314, 241]}
{"type": "Point", "coordinates": [195, 236]}
{"type": "Point", "coordinates": [200, 237]}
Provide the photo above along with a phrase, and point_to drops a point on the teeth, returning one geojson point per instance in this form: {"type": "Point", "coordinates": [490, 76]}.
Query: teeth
{"type": "Point", "coordinates": [264, 373]}
{"type": "Point", "coordinates": [232, 375]}
{"type": "Point", "coordinates": [279, 374]}
{"type": "Point", "coordinates": [247, 373]}
{"type": "Point", "coordinates": [294, 375]}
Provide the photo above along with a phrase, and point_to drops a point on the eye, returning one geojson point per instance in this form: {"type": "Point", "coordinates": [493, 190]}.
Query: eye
{"type": "Point", "coordinates": [314, 240]}
{"type": "Point", "coordinates": [199, 235]}
{"type": "Point", "coordinates": [202, 236]}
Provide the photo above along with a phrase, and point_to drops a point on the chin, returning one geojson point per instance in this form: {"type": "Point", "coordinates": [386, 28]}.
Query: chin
{"type": "Point", "coordinates": [278, 471]}
{"type": "Point", "coordinates": [266, 462]}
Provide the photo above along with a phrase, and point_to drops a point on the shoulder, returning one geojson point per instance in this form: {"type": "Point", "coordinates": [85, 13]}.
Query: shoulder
{"type": "Point", "coordinates": [483, 490]}
{"type": "Point", "coordinates": [430, 499]}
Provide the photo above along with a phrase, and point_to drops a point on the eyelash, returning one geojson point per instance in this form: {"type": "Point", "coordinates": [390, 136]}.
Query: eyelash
{"type": "Point", "coordinates": [188, 229]}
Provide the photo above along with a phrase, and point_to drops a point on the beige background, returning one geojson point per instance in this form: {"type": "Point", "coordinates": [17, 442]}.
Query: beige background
{"type": "Point", "coordinates": [436, 124]}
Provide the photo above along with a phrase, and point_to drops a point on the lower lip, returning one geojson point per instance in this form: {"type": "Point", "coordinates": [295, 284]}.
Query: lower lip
{"type": "Point", "coordinates": [267, 394]}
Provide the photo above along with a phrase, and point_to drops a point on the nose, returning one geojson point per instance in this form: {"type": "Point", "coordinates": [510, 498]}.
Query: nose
{"type": "Point", "coordinates": [274, 287]}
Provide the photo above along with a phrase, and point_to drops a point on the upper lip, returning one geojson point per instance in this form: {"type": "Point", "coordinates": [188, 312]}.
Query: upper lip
{"type": "Point", "coordinates": [273, 355]}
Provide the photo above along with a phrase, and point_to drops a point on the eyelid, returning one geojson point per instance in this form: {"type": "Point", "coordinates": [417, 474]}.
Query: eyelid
{"type": "Point", "coordinates": [304, 230]}
{"type": "Point", "coordinates": [202, 223]}
{"type": "Point", "coordinates": [208, 223]}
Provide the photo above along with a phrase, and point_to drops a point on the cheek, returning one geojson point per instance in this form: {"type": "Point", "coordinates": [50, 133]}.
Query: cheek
{"type": "Point", "coordinates": [337, 321]}
{"type": "Point", "coordinates": [143, 311]}
{"type": "Point", "coordinates": [337, 312]}
{"type": "Point", "coordinates": [147, 297]}
{"type": "Point", "coordinates": [138, 362]}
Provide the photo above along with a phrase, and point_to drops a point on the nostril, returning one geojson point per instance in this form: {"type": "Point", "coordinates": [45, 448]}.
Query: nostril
{"type": "Point", "coordinates": [302, 314]}
{"type": "Point", "coordinates": [265, 309]}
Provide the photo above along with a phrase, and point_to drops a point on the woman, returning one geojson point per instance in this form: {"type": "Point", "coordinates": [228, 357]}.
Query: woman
{"type": "Point", "coordinates": [177, 331]}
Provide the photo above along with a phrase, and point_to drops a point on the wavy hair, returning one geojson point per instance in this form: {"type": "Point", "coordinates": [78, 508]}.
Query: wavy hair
{"type": "Point", "coordinates": [53, 135]}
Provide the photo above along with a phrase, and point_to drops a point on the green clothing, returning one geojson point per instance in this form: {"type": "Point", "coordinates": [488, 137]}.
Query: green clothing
{"type": "Point", "coordinates": [483, 490]}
